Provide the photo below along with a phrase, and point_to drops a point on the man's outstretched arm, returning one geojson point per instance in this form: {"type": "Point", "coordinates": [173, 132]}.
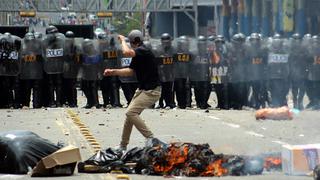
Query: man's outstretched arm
{"type": "Point", "coordinates": [119, 72]}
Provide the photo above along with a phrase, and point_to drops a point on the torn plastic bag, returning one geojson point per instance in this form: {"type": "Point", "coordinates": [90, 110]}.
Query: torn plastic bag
{"type": "Point", "coordinates": [21, 150]}
{"type": "Point", "coordinates": [153, 142]}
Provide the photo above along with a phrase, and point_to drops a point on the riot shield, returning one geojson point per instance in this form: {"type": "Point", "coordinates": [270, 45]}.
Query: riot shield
{"type": "Point", "coordinates": [314, 66]}
{"type": "Point", "coordinates": [72, 59]}
{"type": "Point", "coordinates": [181, 64]}
{"type": "Point", "coordinates": [10, 55]}
{"type": "Point", "coordinates": [91, 61]}
{"type": "Point", "coordinates": [124, 63]}
{"type": "Point", "coordinates": [255, 64]}
{"type": "Point", "coordinates": [199, 70]}
{"type": "Point", "coordinates": [53, 53]}
{"type": "Point", "coordinates": [31, 62]}
{"type": "Point", "coordinates": [237, 66]}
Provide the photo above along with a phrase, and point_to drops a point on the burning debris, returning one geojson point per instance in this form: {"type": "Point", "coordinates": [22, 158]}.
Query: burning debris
{"type": "Point", "coordinates": [174, 159]}
{"type": "Point", "coordinates": [272, 163]}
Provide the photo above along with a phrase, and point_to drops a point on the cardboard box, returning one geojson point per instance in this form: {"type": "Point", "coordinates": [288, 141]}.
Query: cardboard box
{"type": "Point", "coordinates": [59, 163]}
{"type": "Point", "coordinates": [300, 159]}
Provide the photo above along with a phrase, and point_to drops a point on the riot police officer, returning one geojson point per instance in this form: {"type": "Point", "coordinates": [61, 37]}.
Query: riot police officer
{"type": "Point", "coordinates": [307, 44]}
{"type": "Point", "coordinates": [70, 70]}
{"type": "Point", "coordinates": [278, 71]}
{"type": "Point", "coordinates": [45, 81]}
{"type": "Point", "coordinates": [10, 46]}
{"type": "Point", "coordinates": [298, 70]}
{"type": "Point", "coordinates": [182, 61]}
{"type": "Point", "coordinates": [91, 67]}
{"type": "Point", "coordinates": [219, 72]}
{"type": "Point", "coordinates": [111, 56]}
{"type": "Point", "coordinates": [129, 84]}
{"type": "Point", "coordinates": [314, 73]}
{"type": "Point", "coordinates": [255, 74]}
{"type": "Point", "coordinates": [31, 70]}
{"type": "Point", "coordinates": [54, 55]}
{"type": "Point", "coordinates": [199, 73]}
{"type": "Point", "coordinates": [164, 56]}
{"type": "Point", "coordinates": [237, 57]}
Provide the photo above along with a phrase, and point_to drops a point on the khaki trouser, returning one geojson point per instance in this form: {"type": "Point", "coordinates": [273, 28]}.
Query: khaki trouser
{"type": "Point", "coordinates": [141, 100]}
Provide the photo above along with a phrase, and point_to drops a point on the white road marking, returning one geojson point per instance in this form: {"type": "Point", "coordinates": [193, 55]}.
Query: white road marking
{"type": "Point", "coordinates": [280, 142]}
{"type": "Point", "coordinates": [254, 134]}
{"type": "Point", "coordinates": [231, 125]}
{"type": "Point", "coordinates": [213, 117]}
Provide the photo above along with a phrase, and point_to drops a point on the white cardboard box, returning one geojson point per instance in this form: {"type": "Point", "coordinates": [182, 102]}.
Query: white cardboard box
{"type": "Point", "coordinates": [300, 159]}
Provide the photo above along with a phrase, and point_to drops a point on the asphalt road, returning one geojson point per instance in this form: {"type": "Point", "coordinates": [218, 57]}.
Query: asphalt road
{"type": "Point", "coordinates": [228, 132]}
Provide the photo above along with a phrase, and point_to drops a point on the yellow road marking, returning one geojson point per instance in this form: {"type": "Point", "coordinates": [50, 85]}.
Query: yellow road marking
{"type": "Point", "coordinates": [85, 131]}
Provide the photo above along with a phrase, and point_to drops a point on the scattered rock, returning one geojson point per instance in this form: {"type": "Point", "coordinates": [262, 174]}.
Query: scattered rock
{"type": "Point", "coordinates": [101, 124]}
{"type": "Point", "coordinates": [206, 111]}
{"type": "Point", "coordinates": [9, 115]}
{"type": "Point", "coordinates": [48, 127]}
{"type": "Point", "coordinates": [87, 113]}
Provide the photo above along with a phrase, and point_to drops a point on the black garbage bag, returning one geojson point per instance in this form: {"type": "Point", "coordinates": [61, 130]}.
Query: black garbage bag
{"type": "Point", "coordinates": [21, 150]}
{"type": "Point", "coordinates": [102, 162]}
{"type": "Point", "coordinates": [105, 157]}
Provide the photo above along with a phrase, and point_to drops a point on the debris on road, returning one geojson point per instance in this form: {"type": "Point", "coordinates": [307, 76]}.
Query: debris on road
{"type": "Point", "coordinates": [174, 159]}
{"type": "Point", "coordinates": [300, 159]}
{"type": "Point", "coordinates": [282, 113]}
{"type": "Point", "coordinates": [59, 163]}
{"type": "Point", "coordinates": [21, 150]}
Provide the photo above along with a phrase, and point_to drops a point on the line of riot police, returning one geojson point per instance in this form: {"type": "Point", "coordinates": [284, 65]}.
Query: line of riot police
{"type": "Point", "coordinates": [245, 72]}
{"type": "Point", "coordinates": [47, 68]}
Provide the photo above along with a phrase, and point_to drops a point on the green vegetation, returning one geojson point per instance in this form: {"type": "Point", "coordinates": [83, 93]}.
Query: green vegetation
{"type": "Point", "coordinates": [125, 23]}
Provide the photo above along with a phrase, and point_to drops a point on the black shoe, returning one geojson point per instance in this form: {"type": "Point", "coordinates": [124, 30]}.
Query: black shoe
{"type": "Point", "coordinates": [17, 106]}
{"type": "Point", "coordinates": [117, 106]}
{"type": "Point", "coordinates": [73, 106]}
{"type": "Point", "coordinates": [87, 106]}
{"type": "Point", "coordinates": [53, 106]}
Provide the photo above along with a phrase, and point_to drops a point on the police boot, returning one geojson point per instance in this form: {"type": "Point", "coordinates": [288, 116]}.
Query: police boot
{"type": "Point", "coordinates": [226, 97]}
{"type": "Point", "coordinates": [169, 97]}
{"type": "Point", "coordinates": [36, 100]}
{"type": "Point", "coordinates": [58, 96]}
{"type": "Point", "coordinates": [115, 97]}
{"type": "Point", "coordinates": [85, 89]}
{"type": "Point", "coordinates": [94, 96]}
{"type": "Point", "coordinates": [73, 96]}
{"type": "Point", "coordinates": [188, 95]}
{"type": "Point", "coordinates": [51, 94]}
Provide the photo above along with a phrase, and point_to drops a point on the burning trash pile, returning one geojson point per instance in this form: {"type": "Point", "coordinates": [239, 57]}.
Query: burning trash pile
{"type": "Point", "coordinates": [174, 159]}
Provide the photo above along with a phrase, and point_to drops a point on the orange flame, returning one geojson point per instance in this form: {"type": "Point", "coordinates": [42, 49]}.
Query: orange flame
{"type": "Point", "coordinates": [174, 157]}
{"type": "Point", "coordinates": [215, 169]}
{"type": "Point", "coordinates": [271, 162]}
